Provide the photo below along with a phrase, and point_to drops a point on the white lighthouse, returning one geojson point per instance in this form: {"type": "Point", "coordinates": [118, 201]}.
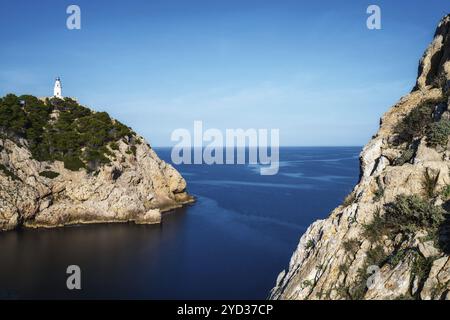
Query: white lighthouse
{"type": "Point", "coordinates": [57, 90]}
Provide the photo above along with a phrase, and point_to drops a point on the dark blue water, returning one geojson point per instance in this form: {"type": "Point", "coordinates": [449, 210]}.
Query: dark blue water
{"type": "Point", "coordinates": [230, 244]}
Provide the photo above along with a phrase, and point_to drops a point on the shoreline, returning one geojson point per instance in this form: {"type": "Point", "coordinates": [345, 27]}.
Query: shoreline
{"type": "Point", "coordinates": [80, 222]}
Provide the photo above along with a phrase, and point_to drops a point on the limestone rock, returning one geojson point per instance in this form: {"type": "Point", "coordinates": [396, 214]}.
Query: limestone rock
{"type": "Point", "coordinates": [428, 249]}
{"type": "Point", "coordinates": [425, 153]}
{"type": "Point", "coordinates": [392, 282]}
{"type": "Point", "coordinates": [130, 188]}
{"type": "Point", "coordinates": [410, 265]}
{"type": "Point", "coordinates": [438, 283]}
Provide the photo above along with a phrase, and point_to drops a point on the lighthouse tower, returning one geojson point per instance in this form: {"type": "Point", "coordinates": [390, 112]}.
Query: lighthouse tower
{"type": "Point", "coordinates": [57, 90]}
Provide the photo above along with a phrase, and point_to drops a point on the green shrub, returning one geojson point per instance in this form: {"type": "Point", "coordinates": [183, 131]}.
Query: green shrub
{"type": "Point", "coordinates": [49, 174]}
{"type": "Point", "coordinates": [405, 214]}
{"type": "Point", "coordinates": [351, 246]}
{"type": "Point", "coordinates": [343, 291]}
{"type": "Point", "coordinates": [405, 157]}
{"type": "Point", "coordinates": [114, 146]}
{"type": "Point", "coordinates": [8, 172]}
{"type": "Point", "coordinates": [310, 244]}
{"type": "Point", "coordinates": [415, 123]}
{"type": "Point", "coordinates": [408, 213]}
{"type": "Point", "coordinates": [439, 80]}
{"type": "Point", "coordinates": [396, 257]}
{"type": "Point", "coordinates": [438, 132]}
{"type": "Point", "coordinates": [446, 192]}
{"type": "Point", "coordinates": [73, 163]}
{"type": "Point", "coordinates": [376, 228]}
{"type": "Point", "coordinates": [133, 150]}
{"type": "Point", "coordinates": [359, 288]}
{"type": "Point", "coordinates": [376, 256]}
{"type": "Point", "coordinates": [96, 158]}
{"type": "Point", "coordinates": [379, 193]}
{"type": "Point", "coordinates": [421, 266]}
{"type": "Point", "coordinates": [429, 183]}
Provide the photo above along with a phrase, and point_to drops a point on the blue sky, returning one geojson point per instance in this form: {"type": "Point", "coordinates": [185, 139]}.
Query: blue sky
{"type": "Point", "coordinates": [311, 69]}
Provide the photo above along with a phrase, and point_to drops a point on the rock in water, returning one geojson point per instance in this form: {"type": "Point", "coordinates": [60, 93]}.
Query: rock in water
{"type": "Point", "coordinates": [62, 164]}
{"type": "Point", "coordinates": [391, 240]}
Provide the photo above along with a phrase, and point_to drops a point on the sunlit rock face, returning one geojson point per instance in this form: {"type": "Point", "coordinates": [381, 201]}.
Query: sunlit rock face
{"type": "Point", "coordinates": [390, 237]}
{"type": "Point", "coordinates": [133, 187]}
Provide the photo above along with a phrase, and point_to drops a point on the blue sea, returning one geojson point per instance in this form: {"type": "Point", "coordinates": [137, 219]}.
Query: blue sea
{"type": "Point", "coordinates": [230, 244]}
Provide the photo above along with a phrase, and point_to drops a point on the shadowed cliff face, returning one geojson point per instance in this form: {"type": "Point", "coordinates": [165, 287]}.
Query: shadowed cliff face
{"type": "Point", "coordinates": [390, 238]}
{"type": "Point", "coordinates": [132, 184]}
{"type": "Point", "coordinates": [433, 64]}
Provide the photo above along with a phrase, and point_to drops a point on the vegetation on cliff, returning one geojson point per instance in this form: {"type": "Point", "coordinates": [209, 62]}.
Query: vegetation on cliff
{"type": "Point", "coordinates": [62, 130]}
{"type": "Point", "coordinates": [422, 120]}
{"type": "Point", "coordinates": [391, 237]}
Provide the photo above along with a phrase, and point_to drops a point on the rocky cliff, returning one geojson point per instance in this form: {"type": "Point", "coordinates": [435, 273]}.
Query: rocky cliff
{"type": "Point", "coordinates": [390, 237]}
{"type": "Point", "coordinates": [61, 164]}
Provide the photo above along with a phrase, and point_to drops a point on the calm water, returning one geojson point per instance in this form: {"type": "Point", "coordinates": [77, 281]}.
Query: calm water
{"type": "Point", "coordinates": [230, 244]}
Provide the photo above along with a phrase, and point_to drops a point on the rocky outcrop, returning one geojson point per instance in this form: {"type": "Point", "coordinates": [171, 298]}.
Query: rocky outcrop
{"type": "Point", "coordinates": [358, 252]}
{"type": "Point", "coordinates": [134, 186]}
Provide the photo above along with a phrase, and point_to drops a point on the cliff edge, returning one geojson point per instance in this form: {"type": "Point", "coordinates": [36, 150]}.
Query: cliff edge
{"type": "Point", "coordinates": [390, 237]}
{"type": "Point", "coordinates": [62, 163]}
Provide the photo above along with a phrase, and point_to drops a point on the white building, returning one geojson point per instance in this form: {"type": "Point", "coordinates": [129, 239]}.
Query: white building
{"type": "Point", "coordinates": [57, 89]}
